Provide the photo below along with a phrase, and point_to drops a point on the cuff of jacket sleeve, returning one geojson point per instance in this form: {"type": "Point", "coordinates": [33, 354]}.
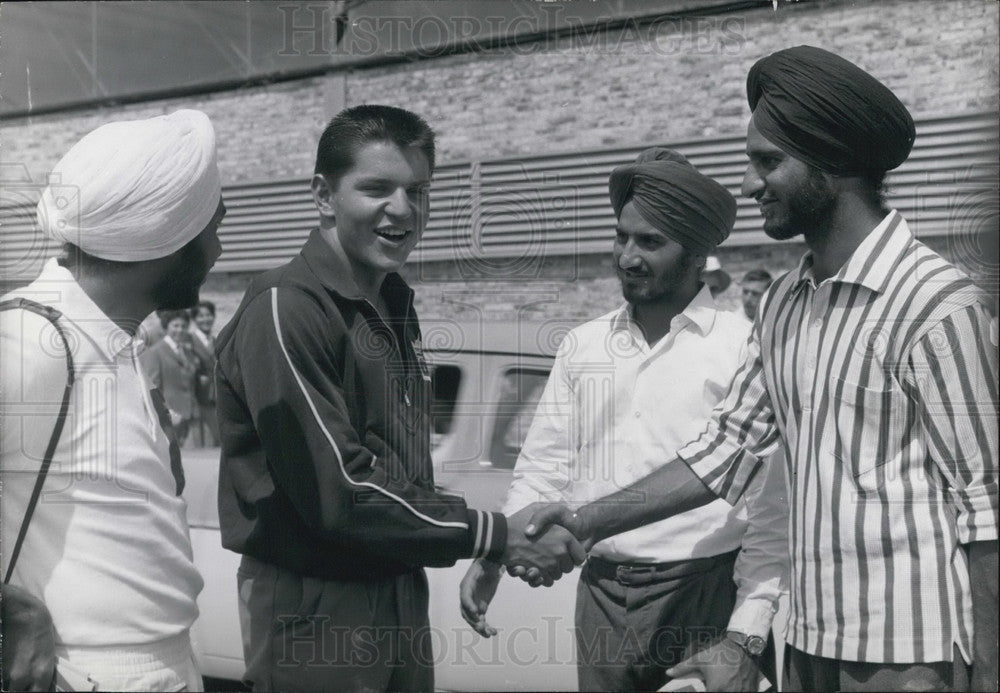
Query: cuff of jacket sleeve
{"type": "Point", "coordinates": [753, 617]}
{"type": "Point", "coordinates": [489, 534]}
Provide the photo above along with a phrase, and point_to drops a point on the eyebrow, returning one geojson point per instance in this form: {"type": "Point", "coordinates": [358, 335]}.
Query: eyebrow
{"type": "Point", "coordinates": [763, 150]}
{"type": "Point", "coordinates": [387, 179]}
{"type": "Point", "coordinates": [644, 233]}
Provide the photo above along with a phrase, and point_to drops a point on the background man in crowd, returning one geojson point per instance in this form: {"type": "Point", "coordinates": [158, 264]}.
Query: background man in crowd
{"type": "Point", "coordinates": [664, 359]}
{"type": "Point", "coordinates": [326, 485]}
{"type": "Point", "coordinates": [205, 427]}
{"type": "Point", "coordinates": [714, 276]}
{"type": "Point", "coordinates": [754, 284]}
{"type": "Point", "coordinates": [871, 365]}
{"type": "Point", "coordinates": [105, 580]}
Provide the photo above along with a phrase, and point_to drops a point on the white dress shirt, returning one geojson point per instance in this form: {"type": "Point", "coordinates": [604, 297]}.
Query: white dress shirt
{"type": "Point", "coordinates": [614, 409]}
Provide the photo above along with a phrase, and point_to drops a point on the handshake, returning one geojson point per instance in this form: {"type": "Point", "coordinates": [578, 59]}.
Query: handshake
{"type": "Point", "coordinates": [544, 542]}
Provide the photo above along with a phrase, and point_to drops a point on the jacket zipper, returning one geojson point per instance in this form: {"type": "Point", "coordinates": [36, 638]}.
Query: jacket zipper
{"type": "Point", "coordinates": [396, 343]}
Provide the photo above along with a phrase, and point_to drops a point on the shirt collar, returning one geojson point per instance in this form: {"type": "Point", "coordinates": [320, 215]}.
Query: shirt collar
{"type": "Point", "coordinates": [80, 310]}
{"type": "Point", "coordinates": [202, 337]}
{"type": "Point", "coordinates": [872, 262]}
{"type": "Point", "coordinates": [700, 312]}
{"type": "Point", "coordinates": [332, 273]}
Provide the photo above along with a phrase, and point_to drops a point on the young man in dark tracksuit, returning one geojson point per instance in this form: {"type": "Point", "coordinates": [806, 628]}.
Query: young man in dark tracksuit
{"type": "Point", "coordinates": [326, 485]}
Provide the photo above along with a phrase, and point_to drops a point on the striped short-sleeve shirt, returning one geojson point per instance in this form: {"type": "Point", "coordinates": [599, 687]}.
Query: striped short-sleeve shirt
{"type": "Point", "coordinates": [881, 385]}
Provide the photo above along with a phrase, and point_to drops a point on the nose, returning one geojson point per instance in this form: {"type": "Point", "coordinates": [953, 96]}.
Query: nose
{"type": "Point", "coordinates": [753, 184]}
{"type": "Point", "coordinates": [399, 204]}
{"type": "Point", "coordinates": [628, 258]}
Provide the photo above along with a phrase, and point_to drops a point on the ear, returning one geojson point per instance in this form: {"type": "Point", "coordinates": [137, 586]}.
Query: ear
{"type": "Point", "coordinates": [838, 184]}
{"type": "Point", "coordinates": [322, 195]}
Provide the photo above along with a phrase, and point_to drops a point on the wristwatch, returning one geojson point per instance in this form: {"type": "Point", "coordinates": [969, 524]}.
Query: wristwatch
{"type": "Point", "coordinates": [753, 645]}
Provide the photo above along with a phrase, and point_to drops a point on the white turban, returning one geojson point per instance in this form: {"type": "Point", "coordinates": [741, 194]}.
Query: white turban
{"type": "Point", "coordinates": [135, 190]}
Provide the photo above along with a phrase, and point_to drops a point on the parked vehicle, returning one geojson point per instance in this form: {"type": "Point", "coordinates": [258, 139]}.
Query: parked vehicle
{"type": "Point", "coordinates": [487, 378]}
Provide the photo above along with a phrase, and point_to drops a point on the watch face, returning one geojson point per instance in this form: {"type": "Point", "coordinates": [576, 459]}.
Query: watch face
{"type": "Point", "coordinates": [755, 645]}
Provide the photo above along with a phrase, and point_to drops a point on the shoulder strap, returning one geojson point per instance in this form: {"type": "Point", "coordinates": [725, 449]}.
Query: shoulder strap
{"type": "Point", "coordinates": [52, 315]}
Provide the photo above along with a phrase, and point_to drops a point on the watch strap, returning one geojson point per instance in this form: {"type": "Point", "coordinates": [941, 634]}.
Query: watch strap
{"type": "Point", "coordinates": [753, 645]}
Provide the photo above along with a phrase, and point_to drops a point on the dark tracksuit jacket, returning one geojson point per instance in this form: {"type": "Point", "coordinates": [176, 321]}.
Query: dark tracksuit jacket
{"type": "Point", "coordinates": [324, 418]}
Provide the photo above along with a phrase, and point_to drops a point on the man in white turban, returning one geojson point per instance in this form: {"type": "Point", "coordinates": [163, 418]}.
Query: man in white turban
{"type": "Point", "coordinates": [95, 542]}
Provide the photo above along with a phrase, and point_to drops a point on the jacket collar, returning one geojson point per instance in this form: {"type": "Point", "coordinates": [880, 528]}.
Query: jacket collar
{"type": "Point", "coordinates": [332, 272]}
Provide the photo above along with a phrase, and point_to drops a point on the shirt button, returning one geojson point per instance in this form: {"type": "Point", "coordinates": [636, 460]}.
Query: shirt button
{"type": "Point", "coordinates": [638, 414]}
{"type": "Point", "coordinates": [817, 324]}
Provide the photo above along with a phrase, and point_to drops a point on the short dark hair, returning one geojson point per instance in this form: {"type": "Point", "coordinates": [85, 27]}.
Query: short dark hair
{"type": "Point", "coordinates": [758, 275]}
{"type": "Point", "coordinates": [202, 304]}
{"type": "Point", "coordinates": [354, 127]}
{"type": "Point", "coordinates": [167, 316]}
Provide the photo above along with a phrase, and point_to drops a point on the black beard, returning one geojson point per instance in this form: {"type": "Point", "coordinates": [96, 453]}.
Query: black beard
{"type": "Point", "coordinates": [180, 287]}
{"type": "Point", "coordinates": [668, 287]}
{"type": "Point", "coordinates": [809, 209]}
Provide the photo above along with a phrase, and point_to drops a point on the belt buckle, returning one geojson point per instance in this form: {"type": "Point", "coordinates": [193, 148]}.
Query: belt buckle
{"type": "Point", "coordinates": [625, 574]}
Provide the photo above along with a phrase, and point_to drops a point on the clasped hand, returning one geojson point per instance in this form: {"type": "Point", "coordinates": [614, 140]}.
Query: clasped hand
{"type": "Point", "coordinates": [540, 550]}
{"type": "Point", "coordinates": [548, 528]}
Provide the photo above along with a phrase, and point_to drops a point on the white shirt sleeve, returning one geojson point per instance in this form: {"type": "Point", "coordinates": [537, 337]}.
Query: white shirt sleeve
{"type": "Point", "coordinates": [542, 470]}
{"type": "Point", "coordinates": [762, 567]}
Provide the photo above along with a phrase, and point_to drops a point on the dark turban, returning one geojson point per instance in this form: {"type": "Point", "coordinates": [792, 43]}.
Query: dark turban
{"type": "Point", "coordinates": [670, 194]}
{"type": "Point", "coordinates": [828, 112]}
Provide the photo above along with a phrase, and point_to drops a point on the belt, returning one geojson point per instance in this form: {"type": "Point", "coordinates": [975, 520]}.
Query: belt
{"type": "Point", "coordinates": [645, 573]}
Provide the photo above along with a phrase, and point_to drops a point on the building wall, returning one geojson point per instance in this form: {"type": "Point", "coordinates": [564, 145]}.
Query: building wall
{"type": "Point", "coordinates": [652, 83]}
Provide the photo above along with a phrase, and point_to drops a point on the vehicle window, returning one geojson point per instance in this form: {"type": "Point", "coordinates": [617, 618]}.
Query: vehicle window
{"type": "Point", "coordinates": [445, 380]}
{"type": "Point", "coordinates": [520, 391]}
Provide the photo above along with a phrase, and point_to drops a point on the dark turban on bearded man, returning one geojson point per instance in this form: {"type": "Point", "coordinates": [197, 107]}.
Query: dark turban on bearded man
{"type": "Point", "coordinates": [670, 194]}
{"type": "Point", "coordinates": [828, 112]}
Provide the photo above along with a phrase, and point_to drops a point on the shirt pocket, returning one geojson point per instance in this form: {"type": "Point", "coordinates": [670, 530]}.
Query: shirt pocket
{"type": "Point", "coordinates": [869, 430]}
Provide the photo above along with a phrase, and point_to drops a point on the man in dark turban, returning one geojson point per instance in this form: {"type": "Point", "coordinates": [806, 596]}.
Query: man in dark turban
{"type": "Point", "coordinates": [828, 112]}
{"type": "Point", "coordinates": [670, 193]}
{"type": "Point", "coordinates": [624, 389]}
{"type": "Point", "coordinates": [871, 365]}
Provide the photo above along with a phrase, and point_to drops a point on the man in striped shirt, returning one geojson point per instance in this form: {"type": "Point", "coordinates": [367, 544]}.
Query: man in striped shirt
{"type": "Point", "coordinates": [871, 367]}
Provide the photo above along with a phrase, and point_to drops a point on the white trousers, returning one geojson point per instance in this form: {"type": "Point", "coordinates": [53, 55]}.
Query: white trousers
{"type": "Point", "coordinates": [167, 665]}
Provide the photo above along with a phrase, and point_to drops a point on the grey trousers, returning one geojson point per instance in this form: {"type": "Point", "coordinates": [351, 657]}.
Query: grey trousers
{"type": "Point", "coordinates": [806, 672]}
{"type": "Point", "coordinates": [307, 634]}
{"type": "Point", "coordinates": [633, 623]}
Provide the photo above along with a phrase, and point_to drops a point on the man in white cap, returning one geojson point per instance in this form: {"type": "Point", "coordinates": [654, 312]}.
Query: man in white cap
{"type": "Point", "coordinates": [715, 278]}
{"type": "Point", "coordinates": [105, 581]}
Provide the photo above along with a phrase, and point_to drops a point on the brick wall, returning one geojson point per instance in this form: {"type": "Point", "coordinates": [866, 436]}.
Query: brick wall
{"type": "Point", "coordinates": [672, 79]}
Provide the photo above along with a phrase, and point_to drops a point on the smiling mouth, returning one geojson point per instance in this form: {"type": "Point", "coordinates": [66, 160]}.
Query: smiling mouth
{"type": "Point", "coordinates": [632, 276]}
{"type": "Point", "coordinates": [392, 233]}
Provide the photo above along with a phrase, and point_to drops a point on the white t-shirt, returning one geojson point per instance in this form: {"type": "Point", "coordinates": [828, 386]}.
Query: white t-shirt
{"type": "Point", "coordinates": [108, 548]}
